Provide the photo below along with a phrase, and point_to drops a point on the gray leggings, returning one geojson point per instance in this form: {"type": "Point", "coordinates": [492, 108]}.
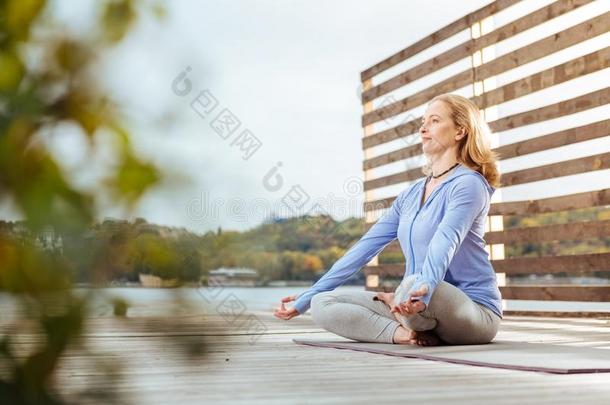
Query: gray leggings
{"type": "Point", "coordinates": [451, 315]}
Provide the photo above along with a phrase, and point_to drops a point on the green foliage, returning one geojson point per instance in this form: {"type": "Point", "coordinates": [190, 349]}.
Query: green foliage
{"type": "Point", "coordinates": [292, 249]}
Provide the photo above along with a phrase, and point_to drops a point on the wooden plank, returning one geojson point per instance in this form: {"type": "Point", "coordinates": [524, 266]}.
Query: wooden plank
{"type": "Point", "coordinates": [541, 143]}
{"type": "Point", "coordinates": [383, 288]}
{"type": "Point", "coordinates": [394, 156]}
{"type": "Point", "coordinates": [587, 199]}
{"type": "Point", "coordinates": [571, 106]}
{"type": "Point", "coordinates": [446, 32]}
{"type": "Point", "coordinates": [575, 68]}
{"type": "Point", "coordinates": [386, 270]}
{"type": "Point", "coordinates": [550, 171]}
{"type": "Point", "coordinates": [549, 141]}
{"type": "Point", "coordinates": [388, 135]}
{"type": "Point", "coordinates": [551, 111]}
{"type": "Point", "coordinates": [554, 170]}
{"type": "Point", "coordinates": [574, 265]}
{"type": "Point", "coordinates": [557, 293]}
{"type": "Point", "coordinates": [467, 48]}
{"type": "Point", "coordinates": [558, 314]}
{"type": "Point", "coordinates": [569, 231]}
{"type": "Point", "coordinates": [569, 264]}
{"type": "Point", "coordinates": [537, 50]}
{"type": "Point", "coordinates": [400, 177]}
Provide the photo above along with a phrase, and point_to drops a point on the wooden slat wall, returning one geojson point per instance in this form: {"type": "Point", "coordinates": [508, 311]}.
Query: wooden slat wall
{"type": "Point", "coordinates": [588, 64]}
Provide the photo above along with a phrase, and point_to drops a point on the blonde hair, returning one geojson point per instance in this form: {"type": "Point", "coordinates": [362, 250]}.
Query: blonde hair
{"type": "Point", "coordinates": [474, 149]}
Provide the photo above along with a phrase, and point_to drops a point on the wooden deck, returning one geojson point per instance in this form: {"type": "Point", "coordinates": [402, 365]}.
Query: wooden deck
{"type": "Point", "coordinates": [269, 368]}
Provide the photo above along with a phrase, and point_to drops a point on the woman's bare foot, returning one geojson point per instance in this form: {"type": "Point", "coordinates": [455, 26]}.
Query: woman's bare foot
{"type": "Point", "coordinates": [425, 338]}
{"type": "Point", "coordinates": [404, 336]}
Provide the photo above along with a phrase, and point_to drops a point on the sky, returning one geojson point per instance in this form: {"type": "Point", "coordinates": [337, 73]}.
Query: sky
{"type": "Point", "coordinates": [288, 71]}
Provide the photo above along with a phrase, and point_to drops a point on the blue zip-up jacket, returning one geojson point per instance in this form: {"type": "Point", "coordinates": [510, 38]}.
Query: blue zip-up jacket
{"type": "Point", "coordinates": [441, 240]}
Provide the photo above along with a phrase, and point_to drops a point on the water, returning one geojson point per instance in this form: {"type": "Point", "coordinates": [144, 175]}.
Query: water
{"type": "Point", "coordinates": [154, 301]}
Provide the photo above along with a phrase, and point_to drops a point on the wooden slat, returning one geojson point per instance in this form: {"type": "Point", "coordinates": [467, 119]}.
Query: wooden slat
{"type": "Point", "coordinates": [574, 265]}
{"type": "Point", "coordinates": [383, 288]}
{"type": "Point", "coordinates": [550, 171]}
{"type": "Point", "coordinates": [467, 48]}
{"type": "Point", "coordinates": [554, 140]}
{"type": "Point", "coordinates": [587, 199]}
{"type": "Point", "coordinates": [569, 231]}
{"type": "Point", "coordinates": [559, 314]}
{"type": "Point", "coordinates": [400, 177]}
{"type": "Point", "coordinates": [537, 144]}
{"type": "Point", "coordinates": [569, 264]}
{"type": "Point", "coordinates": [573, 69]}
{"type": "Point", "coordinates": [557, 293]}
{"type": "Point", "coordinates": [554, 170]}
{"type": "Point", "coordinates": [571, 106]}
{"type": "Point", "coordinates": [540, 293]}
{"type": "Point", "coordinates": [553, 204]}
{"type": "Point", "coordinates": [386, 270]}
{"type": "Point", "coordinates": [567, 107]}
{"type": "Point", "coordinates": [395, 156]}
{"type": "Point", "coordinates": [378, 204]}
{"type": "Point", "coordinates": [437, 37]}
{"type": "Point", "coordinates": [545, 293]}
{"type": "Point", "coordinates": [388, 135]}
{"type": "Point", "coordinates": [539, 49]}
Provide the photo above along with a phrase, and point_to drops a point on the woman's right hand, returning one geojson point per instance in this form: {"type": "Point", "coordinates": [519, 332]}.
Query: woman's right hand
{"type": "Point", "coordinates": [385, 297]}
{"type": "Point", "coordinates": [286, 313]}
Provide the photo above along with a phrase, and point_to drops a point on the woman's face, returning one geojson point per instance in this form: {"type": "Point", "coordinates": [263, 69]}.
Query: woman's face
{"type": "Point", "coordinates": [438, 132]}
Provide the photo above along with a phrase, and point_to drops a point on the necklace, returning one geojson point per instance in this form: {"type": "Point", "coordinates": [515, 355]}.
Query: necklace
{"type": "Point", "coordinates": [436, 177]}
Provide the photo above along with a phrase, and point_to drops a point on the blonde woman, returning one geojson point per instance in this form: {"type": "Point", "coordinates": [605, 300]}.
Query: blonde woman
{"type": "Point", "coordinates": [449, 293]}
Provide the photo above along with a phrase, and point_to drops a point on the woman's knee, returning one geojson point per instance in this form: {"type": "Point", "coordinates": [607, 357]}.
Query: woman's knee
{"type": "Point", "coordinates": [473, 335]}
{"type": "Point", "coordinates": [318, 305]}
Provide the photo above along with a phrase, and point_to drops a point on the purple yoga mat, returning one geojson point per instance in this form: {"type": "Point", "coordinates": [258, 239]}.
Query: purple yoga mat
{"type": "Point", "coordinates": [540, 357]}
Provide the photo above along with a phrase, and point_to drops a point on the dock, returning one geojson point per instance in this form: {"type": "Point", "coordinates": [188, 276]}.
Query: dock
{"type": "Point", "coordinates": [245, 367]}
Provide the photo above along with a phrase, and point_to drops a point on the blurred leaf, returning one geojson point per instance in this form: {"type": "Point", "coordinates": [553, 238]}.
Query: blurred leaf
{"type": "Point", "coordinates": [119, 307]}
{"type": "Point", "coordinates": [27, 270]}
{"type": "Point", "coordinates": [72, 55]}
{"type": "Point", "coordinates": [159, 11]}
{"type": "Point", "coordinates": [118, 18]}
{"type": "Point", "coordinates": [132, 178]}
{"type": "Point", "coordinates": [45, 197]}
{"type": "Point", "coordinates": [20, 15]}
{"type": "Point", "coordinates": [11, 71]}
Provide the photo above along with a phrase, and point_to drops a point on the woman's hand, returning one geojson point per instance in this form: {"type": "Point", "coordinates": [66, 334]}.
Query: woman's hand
{"type": "Point", "coordinates": [286, 313]}
{"type": "Point", "coordinates": [412, 305]}
{"type": "Point", "coordinates": [386, 298]}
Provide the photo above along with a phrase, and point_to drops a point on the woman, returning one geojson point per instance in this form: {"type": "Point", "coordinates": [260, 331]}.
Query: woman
{"type": "Point", "coordinates": [449, 293]}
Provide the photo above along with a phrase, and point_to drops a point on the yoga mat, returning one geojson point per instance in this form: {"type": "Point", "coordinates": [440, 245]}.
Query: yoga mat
{"type": "Point", "coordinates": [541, 357]}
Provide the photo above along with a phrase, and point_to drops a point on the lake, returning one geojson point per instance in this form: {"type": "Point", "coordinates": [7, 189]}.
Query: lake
{"type": "Point", "coordinates": [156, 301]}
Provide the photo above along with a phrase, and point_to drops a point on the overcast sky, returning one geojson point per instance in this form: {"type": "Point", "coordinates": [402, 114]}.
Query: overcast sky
{"type": "Point", "coordinates": [289, 71]}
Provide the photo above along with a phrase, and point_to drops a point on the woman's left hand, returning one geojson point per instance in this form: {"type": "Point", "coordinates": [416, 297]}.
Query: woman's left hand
{"type": "Point", "coordinates": [412, 305]}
